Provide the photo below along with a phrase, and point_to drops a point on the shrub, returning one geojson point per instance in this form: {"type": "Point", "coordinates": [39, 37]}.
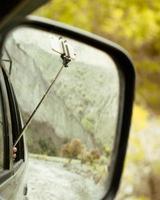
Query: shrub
{"type": "Point", "coordinates": [72, 149]}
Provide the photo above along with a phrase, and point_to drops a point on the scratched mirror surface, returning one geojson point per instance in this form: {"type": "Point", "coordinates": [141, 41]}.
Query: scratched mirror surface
{"type": "Point", "coordinates": [72, 131]}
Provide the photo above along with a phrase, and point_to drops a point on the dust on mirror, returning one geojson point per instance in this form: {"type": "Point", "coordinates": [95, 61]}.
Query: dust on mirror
{"type": "Point", "coordinates": [75, 125]}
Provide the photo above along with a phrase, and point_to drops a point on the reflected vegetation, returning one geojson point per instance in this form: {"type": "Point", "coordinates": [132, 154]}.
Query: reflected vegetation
{"type": "Point", "coordinates": [93, 162]}
{"type": "Point", "coordinates": [76, 123]}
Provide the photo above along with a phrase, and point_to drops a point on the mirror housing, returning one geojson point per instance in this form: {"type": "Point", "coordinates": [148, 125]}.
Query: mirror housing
{"type": "Point", "coordinates": [127, 79]}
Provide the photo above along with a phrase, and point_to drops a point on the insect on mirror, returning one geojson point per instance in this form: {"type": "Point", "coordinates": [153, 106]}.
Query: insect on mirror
{"type": "Point", "coordinates": [76, 123]}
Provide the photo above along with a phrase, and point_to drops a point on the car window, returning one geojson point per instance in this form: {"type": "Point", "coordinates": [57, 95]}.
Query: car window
{"type": "Point", "coordinates": [1, 136]}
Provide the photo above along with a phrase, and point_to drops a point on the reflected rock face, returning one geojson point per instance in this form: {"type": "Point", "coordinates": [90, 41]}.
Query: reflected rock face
{"type": "Point", "coordinates": [82, 104]}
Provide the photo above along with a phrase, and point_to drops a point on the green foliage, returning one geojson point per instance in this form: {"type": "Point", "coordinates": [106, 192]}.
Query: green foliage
{"type": "Point", "coordinates": [88, 124]}
{"type": "Point", "coordinates": [107, 150]}
{"type": "Point", "coordinates": [156, 167]}
{"type": "Point", "coordinates": [139, 118]}
{"type": "Point", "coordinates": [138, 198]}
{"type": "Point", "coordinates": [148, 84]}
{"type": "Point", "coordinates": [142, 172]}
{"type": "Point", "coordinates": [137, 153]}
{"type": "Point", "coordinates": [108, 17]}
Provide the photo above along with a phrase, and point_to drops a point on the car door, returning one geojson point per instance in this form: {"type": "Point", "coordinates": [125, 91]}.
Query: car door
{"type": "Point", "coordinates": [6, 173]}
{"type": "Point", "coordinates": [15, 168]}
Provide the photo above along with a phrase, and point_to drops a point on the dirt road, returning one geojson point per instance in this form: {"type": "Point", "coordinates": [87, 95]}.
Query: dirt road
{"type": "Point", "coordinates": [48, 180]}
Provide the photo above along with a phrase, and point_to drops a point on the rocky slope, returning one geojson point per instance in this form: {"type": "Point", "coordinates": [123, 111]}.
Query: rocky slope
{"type": "Point", "coordinates": [83, 102]}
{"type": "Point", "coordinates": [52, 181]}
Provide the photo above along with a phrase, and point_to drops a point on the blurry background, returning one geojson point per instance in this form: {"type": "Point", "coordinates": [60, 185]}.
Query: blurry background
{"type": "Point", "coordinates": [136, 26]}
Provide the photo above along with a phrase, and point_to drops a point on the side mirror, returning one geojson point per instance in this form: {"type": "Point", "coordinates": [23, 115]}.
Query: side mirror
{"type": "Point", "coordinates": [83, 120]}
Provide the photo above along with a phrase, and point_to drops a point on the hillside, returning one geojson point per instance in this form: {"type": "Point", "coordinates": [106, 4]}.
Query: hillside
{"type": "Point", "coordinates": [82, 104]}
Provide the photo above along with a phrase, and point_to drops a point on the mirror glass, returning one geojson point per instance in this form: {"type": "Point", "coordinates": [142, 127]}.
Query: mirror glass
{"type": "Point", "coordinates": [74, 128]}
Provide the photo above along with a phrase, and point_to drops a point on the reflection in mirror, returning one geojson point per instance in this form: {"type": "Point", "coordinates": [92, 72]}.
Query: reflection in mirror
{"type": "Point", "coordinates": [76, 123]}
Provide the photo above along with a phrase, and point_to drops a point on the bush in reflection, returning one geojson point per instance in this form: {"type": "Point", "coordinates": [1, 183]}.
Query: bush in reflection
{"type": "Point", "coordinates": [107, 150]}
{"type": "Point", "coordinates": [90, 156]}
{"type": "Point", "coordinates": [72, 149]}
{"type": "Point", "coordinates": [76, 150]}
{"type": "Point", "coordinates": [91, 163]}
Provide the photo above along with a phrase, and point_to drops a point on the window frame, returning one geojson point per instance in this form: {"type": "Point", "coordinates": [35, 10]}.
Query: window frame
{"type": "Point", "coordinates": [2, 133]}
{"type": "Point", "coordinates": [16, 121]}
{"type": "Point", "coordinates": [6, 172]}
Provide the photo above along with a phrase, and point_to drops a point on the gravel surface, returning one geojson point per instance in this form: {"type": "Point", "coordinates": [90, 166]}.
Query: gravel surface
{"type": "Point", "coordinates": [51, 180]}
